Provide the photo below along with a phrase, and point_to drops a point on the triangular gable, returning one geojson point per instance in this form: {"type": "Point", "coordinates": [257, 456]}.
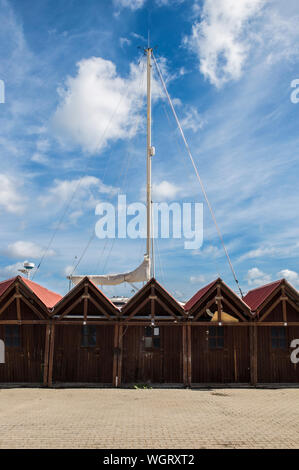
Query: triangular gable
{"type": "Point", "coordinates": [207, 298]}
{"type": "Point", "coordinates": [154, 301]}
{"type": "Point", "coordinates": [199, 295]}
{"type": "Point", "coordinates": [21, 299]}
{"type": "Point", "coordinates": [273, 297]}
{"type": "Point", "coordinates": [255, 298]}
{"type": "Point", "coordinates": [85, 301]}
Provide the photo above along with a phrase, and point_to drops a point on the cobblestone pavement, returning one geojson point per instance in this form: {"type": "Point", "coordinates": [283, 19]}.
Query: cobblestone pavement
{"type": "Point", "coordinates": [167, 418]}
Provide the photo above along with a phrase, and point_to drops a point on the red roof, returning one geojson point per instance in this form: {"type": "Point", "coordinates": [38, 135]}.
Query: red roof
{"type": "Point", "coordinates": [255, 297]}
{"type": "Point", "coordinates": [199, 294]}
{"type": "Point", "coordinates": [48, 297]}
{"type": "Point", "coordinates": [5, 284]}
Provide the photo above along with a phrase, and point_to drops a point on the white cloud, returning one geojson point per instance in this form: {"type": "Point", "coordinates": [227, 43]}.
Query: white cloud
{"type": "Point", "coordinates": [200, 280]}
{"type": "Point", "coordinates": [81, 194]}
{"type": "Point", "coordinates": [290, 276]}
{"type": "Point", "coordinates": [165, 190]}
{"type": "Point", "coordinates": [24, 249]}
{"type": "Point", "coordinates": [192, 120]}
{"type": "Point", "coordinates": [10, 199]}
{"type": "Point", "coordinates": [132, 4]}
{"type": "Point", "coordinates": [124, 41]}
{"type": "Point", "coordinates": [222, 38]}
{"type": "Point", "coordinates": [68, 270]}
{"type": "Point", "coordinates": [164, 3]}
{"type": "Point", "coordinates": [255, 277]}
{"type": "Point", "coordinates": [98, 105]}
{"type": "Point", "coordinates": [11, 270]}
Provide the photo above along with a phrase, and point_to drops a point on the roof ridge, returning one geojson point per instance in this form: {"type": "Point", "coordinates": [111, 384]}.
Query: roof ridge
{"type": "Point", "coordinates": [265, 285]}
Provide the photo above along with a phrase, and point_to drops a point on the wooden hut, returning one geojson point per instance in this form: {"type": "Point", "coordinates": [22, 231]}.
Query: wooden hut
{"type": "Point", "coordinates": [218, 336]}
{"type": "Point", "coordinates": [152, 343]}
{"type": "Point", "coordinates": [84, 324]}
{"type": "Point", "coordinates": [25, 330]}
{"type": "Point", "coordinates": [276, 323]}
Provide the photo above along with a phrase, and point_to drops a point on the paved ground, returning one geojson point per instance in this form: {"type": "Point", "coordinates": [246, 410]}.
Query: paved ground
{"type": "Point", "coordinates": [109, 418]}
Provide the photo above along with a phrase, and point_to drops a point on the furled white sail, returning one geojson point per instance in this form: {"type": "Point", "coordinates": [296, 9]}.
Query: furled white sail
{"type": "Point", "coordinates": [140, 274]}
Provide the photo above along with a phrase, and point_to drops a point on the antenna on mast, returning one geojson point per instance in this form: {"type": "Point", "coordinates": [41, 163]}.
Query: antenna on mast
{"type": "Point", "coordinates": [150, 152]}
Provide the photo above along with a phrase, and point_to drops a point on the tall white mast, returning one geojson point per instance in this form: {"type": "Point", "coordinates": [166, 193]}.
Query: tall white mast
{"type": "Point", "coordinates": [150, 152]}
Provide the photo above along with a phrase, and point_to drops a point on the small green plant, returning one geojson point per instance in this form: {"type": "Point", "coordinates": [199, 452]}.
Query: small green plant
{"type": "Point", "coordinates": [142, 387]}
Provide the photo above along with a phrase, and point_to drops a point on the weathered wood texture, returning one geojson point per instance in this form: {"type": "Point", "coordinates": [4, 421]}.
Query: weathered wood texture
{"type": "Point", "coordinates": [24, 364]}
{"type": "Point", "coordinates": [75, 363]}
{"type": "Point", "coordinates": [228, 365]}
{"type": "Point", "coordinates": [164, 365]}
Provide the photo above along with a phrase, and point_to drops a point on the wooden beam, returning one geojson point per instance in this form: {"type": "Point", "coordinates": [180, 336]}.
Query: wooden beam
{"type": "Point", "coordinates": [32, 307]}
{"type": "Point", "coordinates": [219, 304]}
{"type": "Point", "coordinates": [120, 354]}
{"type": "Point", "coordinates": [139, 307]}
{"type": "Point", "coordinates": [70, 308]}
{"type": "Point", "coordinates": [267, 312]}
{"type": "Point", "coordinates": [51, 355]}
{"type": "Point", "coordinates": [167, 309]}
{"type": "Point", "coordinates": [253, 354]}
{"type": "Point", "coordinates": [18, 302]}
{"type": "Point", "coordinates": [189, 363]}
{"type": "Point", "coordinates": [296, 307]}
{"type": "Point", "coordinates": [99, 307]}
{"type": "Point", "coordinates": [227, 302]}
{"type": "Point", "coordinates": [284, 304]}
{"type": "Point", "coordinates": [115, 356]}
{"type": "Point", "coordinates": [46, 355]}
{"type": "Point", "coordinates": [185, 356]}
{"type": "Point", "coordinates": [153, 297]}
{"type": "Point", "coordinates": [202, 311]}
{"type": "Point", "coordinates": [2, 309]}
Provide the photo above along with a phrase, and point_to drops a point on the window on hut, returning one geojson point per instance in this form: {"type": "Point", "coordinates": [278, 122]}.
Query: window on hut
{"type": "Point", "coordinates": [12, 336]}
{"type": "Point", "coordinates": [152, 337]}
{"type": "Point", "coordinates": [216, 337]}
{"type": "Point", "coordinates": [89, 336]}
{"type": "Point", "coordinates": [278, 337]}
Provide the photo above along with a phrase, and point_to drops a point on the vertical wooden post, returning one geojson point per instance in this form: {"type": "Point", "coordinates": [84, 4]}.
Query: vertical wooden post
{"type": "Point", "coordinates": [46, 354]}
{"type": "Point", "coordinates": [284, 304]}
{"type": "Point", "coordinates": [185, 356]}
{"type": "Point", "coordinates": [253, 354]}
{"type": "Point", "coordinates": [51, 355]}
{"type": "Point", "coordinates": [115, 356]}
{"type": "Point", "coordinates": [189, 362]}
{"type": "Point", "coordinates": [219, 305]}
{"type": "Point", "coordinates": [85, 305]}
{"type": "Point", "coordinates": [18, 296]}
{"type": "Point", "coordinates": [120, 354]}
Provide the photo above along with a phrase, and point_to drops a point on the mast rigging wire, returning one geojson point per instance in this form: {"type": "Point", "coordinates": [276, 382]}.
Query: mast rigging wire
{"type": "Point", "coordinates": [197, 174]}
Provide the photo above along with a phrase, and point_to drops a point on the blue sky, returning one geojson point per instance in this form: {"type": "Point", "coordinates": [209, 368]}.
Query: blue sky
{"type": "Point", "coordinates": [229, 66]}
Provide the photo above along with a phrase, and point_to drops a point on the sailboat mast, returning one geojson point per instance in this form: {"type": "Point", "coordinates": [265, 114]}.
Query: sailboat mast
{"type": "Point", "coordinates": [149, 152]}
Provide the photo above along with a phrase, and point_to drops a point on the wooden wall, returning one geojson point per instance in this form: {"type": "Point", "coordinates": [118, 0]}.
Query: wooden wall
{"type": "Point", "coordinates": [75, 363]}
{"type": "Point", "coordinates": [228, 365]}
{"type": "Point", "coordinates": [164, 365]}
{"type": "Point", "coordinates": [24, 364]}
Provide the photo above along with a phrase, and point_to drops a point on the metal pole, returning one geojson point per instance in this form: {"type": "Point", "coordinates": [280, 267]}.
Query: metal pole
{"type": "Point", "coordinates": [149, 155]}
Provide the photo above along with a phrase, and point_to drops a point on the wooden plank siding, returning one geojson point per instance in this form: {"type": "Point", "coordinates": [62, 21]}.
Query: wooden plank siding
{"type": "Point", "coordinates": [228, 365]}
{"type": "Point", "coordinates": [24, 364]}
{"type": "Point", "coordinates": [163, 365]}
{"type": "Point", "coordinates": [75, 363]}
{"type": "Point", "coordinates": [274, 364]}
